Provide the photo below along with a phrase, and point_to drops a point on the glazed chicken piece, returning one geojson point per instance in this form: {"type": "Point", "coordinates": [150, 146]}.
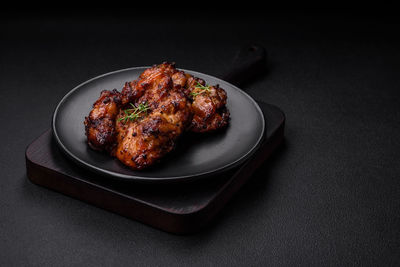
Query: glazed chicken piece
{"type": "Point", "coordinates": [144, 141]}
{"type": "Point", "coordinates": [208, 103]}
{"type": "Point", "coordinates": [100, 124]}
{"type": "Point", "coordinates": [157, 75]}
{"type": "Point", "coordinates": [143, 122]}
{"type": "Point", "coordinates": [208, 106]}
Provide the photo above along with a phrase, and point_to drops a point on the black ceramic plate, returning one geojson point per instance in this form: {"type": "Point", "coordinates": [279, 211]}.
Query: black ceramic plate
{"type": "Point", "coordinates": [196, 155]}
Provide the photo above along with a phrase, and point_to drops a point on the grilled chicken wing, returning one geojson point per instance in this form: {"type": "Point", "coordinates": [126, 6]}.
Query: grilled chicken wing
{"type": "Point", "coordinates": [100, 124]}
{"type": "Point", "coordinates": [208, 107]}
{"type": "Point", "coordinates": [175, 102]}
{"type": "Point", "coordinates": [144, 141]}
{"type": "Point", "coordinates": [208, 103]}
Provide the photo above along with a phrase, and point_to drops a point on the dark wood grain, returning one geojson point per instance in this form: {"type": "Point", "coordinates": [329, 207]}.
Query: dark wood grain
{"type": "Point", "coordinates": [176, 208]}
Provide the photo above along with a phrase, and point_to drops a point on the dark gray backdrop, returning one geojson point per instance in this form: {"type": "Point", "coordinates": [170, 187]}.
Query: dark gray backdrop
{"type": "Point", "coordinates": [330, 196]}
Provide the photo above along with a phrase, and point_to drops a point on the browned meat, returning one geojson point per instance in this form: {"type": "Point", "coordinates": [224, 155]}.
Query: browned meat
{"type": "Point", "coordinates": [208, 107]}
{"type": "Point", "coordinates": [100, 124]}
{"type": "Point", "coordinates": [143, 122]}
{"type": "Point", "coordinates": [144, 141]}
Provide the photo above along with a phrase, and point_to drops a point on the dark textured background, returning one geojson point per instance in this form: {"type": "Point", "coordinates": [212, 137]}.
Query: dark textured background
{"type": "Point", "coordinates": [330, 196]}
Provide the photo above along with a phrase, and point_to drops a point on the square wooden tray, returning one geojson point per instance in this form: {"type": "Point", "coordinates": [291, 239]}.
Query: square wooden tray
{"type": "Point", "coordinates": [175, 208]}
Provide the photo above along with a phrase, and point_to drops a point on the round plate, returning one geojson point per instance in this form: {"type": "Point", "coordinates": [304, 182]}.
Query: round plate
{"type": "Point", "coordinates": [195, 156]}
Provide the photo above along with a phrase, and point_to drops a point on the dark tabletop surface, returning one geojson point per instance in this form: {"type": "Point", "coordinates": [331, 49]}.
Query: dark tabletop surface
{"type": "Point", "coordinates": [330, 196]}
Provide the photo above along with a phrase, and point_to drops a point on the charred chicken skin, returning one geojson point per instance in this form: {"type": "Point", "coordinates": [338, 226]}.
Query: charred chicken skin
{"type": "Point", "coordinates": [142, 123]}
{"type": "Point", "coordinates": [208, 108]}
{"type": "Point", "coordinates": [143, 141]}
{"type": "Point", "coordinates": [100, 124]}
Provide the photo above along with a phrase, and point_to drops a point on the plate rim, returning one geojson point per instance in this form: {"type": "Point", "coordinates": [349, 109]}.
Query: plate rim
{"type": "Point", "coordinates": [125, 177]}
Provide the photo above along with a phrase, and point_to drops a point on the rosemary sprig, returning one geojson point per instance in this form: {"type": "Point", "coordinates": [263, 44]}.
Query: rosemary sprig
{"type": "Point", "coordinates": [203, 88]}
{"type": "Point", "coordinates": [134, 113]}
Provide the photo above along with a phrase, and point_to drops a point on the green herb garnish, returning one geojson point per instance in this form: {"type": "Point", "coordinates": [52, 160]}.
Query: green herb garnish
{"type": "Point", "coordinates": [134, 113]}
{"type": "Point", "coordinates": [203, 89]}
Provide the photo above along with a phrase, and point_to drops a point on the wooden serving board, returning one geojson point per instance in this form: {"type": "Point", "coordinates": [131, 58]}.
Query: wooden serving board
{"type": "Point", "coordinates": [175, 208]}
